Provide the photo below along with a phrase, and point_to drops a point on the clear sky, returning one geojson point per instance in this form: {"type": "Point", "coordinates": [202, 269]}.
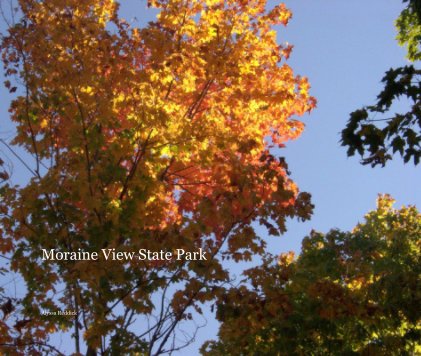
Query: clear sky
{"type": "Point", "coordinates": [344, 48]}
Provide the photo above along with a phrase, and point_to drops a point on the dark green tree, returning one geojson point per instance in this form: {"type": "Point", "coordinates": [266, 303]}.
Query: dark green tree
{"type": "Point", "coordinates": [373, 131]}
{"type": "Point", "coordinates": [347, 293]}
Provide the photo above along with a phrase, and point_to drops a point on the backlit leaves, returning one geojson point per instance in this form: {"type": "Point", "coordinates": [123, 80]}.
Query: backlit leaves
{"type": "Point", "coordinates": [156, 138]}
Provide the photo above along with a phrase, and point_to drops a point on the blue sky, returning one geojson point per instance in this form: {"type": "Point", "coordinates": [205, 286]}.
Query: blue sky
{"type": "Point", "coordinates": [344, 48]}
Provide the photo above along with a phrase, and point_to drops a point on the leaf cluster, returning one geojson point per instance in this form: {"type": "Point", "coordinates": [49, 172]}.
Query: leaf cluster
{"type": "Point", "coordinates": [400, 133]}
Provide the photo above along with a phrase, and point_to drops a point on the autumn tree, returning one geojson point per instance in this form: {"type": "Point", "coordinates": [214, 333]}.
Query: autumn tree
{"type": "Point", "coordinates": [347, 293]}
{"type": "Point", "coordinates": [373, 131]}
{"type": "Point", "coordinates": [157, 138]}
